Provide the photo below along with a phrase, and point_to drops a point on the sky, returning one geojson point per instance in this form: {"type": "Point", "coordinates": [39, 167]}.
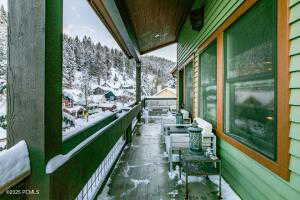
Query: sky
{"type": "Point", "coordinates": [80, 19]}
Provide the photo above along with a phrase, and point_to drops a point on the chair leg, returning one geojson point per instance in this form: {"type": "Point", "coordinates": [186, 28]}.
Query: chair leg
{"type": "Point", "coordinates": [186, 185]}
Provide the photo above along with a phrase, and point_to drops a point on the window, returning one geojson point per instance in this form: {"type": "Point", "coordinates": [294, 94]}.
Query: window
{"type": "Point", "coordinates": [250, 78]}
{"type": "Point", "coordinates": [208, 87]}
{"type": "Point", "coordinates": [188, 73]}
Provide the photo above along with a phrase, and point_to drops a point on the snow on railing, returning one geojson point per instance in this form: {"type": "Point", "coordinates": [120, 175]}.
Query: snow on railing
{"type": "Point", "coordinates": [14, 165]}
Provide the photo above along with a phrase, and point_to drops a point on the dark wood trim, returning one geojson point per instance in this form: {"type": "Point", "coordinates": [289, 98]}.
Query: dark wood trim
{"type": "Point", "coordinates": [281, 166]}
{"type": "Point", "coordinates": [121, 37]}
{"type": "Point", "coordinates": [220, 82]}
{"type": "Point", "coordinates": [283, 90]}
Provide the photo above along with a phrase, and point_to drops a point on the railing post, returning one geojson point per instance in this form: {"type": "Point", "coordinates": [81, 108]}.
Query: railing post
{"type": "Point", "coordinates": [34, 85]}
{"type": "Point", "coordinates": [138, 92]}
{"type": "Point", "coordinates": [129, 134]}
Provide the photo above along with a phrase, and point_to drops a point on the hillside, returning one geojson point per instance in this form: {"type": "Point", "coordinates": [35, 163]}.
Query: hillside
{"type": "Point", "coordinates": [88, 65]}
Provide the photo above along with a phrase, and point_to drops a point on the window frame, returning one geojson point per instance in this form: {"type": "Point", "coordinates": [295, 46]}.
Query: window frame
{"type": "Point", "coordinates": [201, 98]}
{"type": "Point", "coordinates": [229, 83]}
{"type": "Point", "coordinates": [281, 165]}
{"type": "Point", "coordinates": [189, 64]}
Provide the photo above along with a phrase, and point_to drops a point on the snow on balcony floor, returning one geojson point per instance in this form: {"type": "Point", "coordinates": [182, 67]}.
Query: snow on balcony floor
{"type": "Point", "coordinates": [142, 173]}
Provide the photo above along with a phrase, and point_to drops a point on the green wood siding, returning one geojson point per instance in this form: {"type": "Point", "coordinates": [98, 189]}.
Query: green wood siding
{"type": "Point", "coordinates": [240, 169]}
{"type": "Point", "coordinates": [295, 97]}
{"type": "Point", "coordinates": [247, 177]}
{"type": "Point", "coordinates": [294, 2]}
{"type": "Point", "coordinates": [295, 46]}
{"type": "Point", "coordinates": [216, 11]}
{"type": "Point", "coordinates": [295, 63]}
{"type": "Point", "coordinates": [294, 131]}
{"type": "Point", "coordinates": [295, 31]}
{"type": "Point", "coordinates": [295, 94]}
{"type": "Point", "coordinates": [295, 14]}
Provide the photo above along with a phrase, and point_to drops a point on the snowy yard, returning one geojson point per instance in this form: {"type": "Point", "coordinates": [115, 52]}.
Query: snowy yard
{"type": "Point", "coordinates": [81, 123]}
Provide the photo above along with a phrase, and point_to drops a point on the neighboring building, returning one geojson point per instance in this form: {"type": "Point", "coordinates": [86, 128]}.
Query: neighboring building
{"type": "Point", "coordinates": [67, 102]}
{"type": "Point", "coordinates": [128, 87]}
{"type": "Point", "coordinates": [166, 92]}
{"type": "Point", "coordinates": [107, 107]}
{"type": "Point", "coordinates": [110, 96]}
{"type": "Point", "coordinates": [98, 91]}
{"type": "Point", "coordinates": [72, 97]}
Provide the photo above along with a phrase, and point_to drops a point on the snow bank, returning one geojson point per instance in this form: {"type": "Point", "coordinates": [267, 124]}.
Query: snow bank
{"type": "Point", "coordinates": [14, 165]}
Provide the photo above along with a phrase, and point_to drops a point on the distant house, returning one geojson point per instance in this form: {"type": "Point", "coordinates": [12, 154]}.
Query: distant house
{"type": "Point", "coordinates": [72, 97]}
{"type": "Point", "coordinates": [98, 91]}
{"type": "Point", "coordinates": [166, 92]}
{"type": "Point", "coordinates": [128, 87]}
{"type": "Point", "coordinates": [67, 102]}
{"type": "Point", "coordinates": [107, 107]}
{"type": "Point", "coordinates": [75, 111]}
{"type": "Point", "coordinates": [110, 96]}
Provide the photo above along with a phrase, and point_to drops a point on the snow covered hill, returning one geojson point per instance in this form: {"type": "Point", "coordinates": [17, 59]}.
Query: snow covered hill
{"type": "Point", "coordinates": [88, 65]}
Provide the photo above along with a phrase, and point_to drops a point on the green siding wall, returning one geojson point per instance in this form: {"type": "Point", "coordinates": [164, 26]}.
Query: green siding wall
{"type": "Point", "coordinates": [295, 93]}
{"type": "Point", "coordinates": [247, 177]}
{"type": "Point", "coordinates": [216, 12]}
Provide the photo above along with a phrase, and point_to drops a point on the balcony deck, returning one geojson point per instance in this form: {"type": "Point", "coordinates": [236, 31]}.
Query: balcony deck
{"type": "Point", "coordinates": [142, 173]}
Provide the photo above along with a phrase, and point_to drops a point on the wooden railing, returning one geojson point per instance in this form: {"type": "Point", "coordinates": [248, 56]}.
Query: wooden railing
{"type": "Point", "coordinates": [70, 172]}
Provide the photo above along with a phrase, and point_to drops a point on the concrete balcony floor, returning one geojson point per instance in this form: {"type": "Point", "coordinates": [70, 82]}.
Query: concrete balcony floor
{"type": "Point", "coordinates": [142, 174]}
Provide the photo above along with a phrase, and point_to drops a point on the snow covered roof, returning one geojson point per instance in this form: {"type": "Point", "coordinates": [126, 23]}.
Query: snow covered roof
{"type": "Point", "coordinates": [166, 89]}
{"type": "Point", "coordinates": [74, 94]}
{"type": "Point", "coordinates": [95, 98]}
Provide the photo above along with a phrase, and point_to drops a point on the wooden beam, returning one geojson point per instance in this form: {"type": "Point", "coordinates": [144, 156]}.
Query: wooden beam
{"type": "Point", "coordinates": [109, 14]}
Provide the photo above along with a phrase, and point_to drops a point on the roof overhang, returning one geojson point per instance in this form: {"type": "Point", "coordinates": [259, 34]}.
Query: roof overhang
{"type": "Point", "coordinates": [141, 26]}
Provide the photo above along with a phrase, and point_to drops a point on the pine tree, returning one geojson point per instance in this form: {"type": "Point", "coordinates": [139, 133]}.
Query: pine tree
{"type": "Point", "coordinates": [3, 42]}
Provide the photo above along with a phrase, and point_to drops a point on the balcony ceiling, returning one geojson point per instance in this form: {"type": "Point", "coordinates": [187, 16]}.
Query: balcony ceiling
{"type": "Point", "coordinates": [140, 26]}
{"type": "Point", "coordinates": [155, 23]}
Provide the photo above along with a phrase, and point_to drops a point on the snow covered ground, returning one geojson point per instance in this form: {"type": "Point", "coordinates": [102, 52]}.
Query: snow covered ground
{"type": "Point", "coordinates": [81, 123]}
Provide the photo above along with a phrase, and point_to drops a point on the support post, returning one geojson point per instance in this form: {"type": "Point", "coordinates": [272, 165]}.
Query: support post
{"type": "Point", "coordinates": [138, 92]}
{"type": "Point", "coordinates": [129, 134]}
{"type": "Point", "coordinates": [34, 85]}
